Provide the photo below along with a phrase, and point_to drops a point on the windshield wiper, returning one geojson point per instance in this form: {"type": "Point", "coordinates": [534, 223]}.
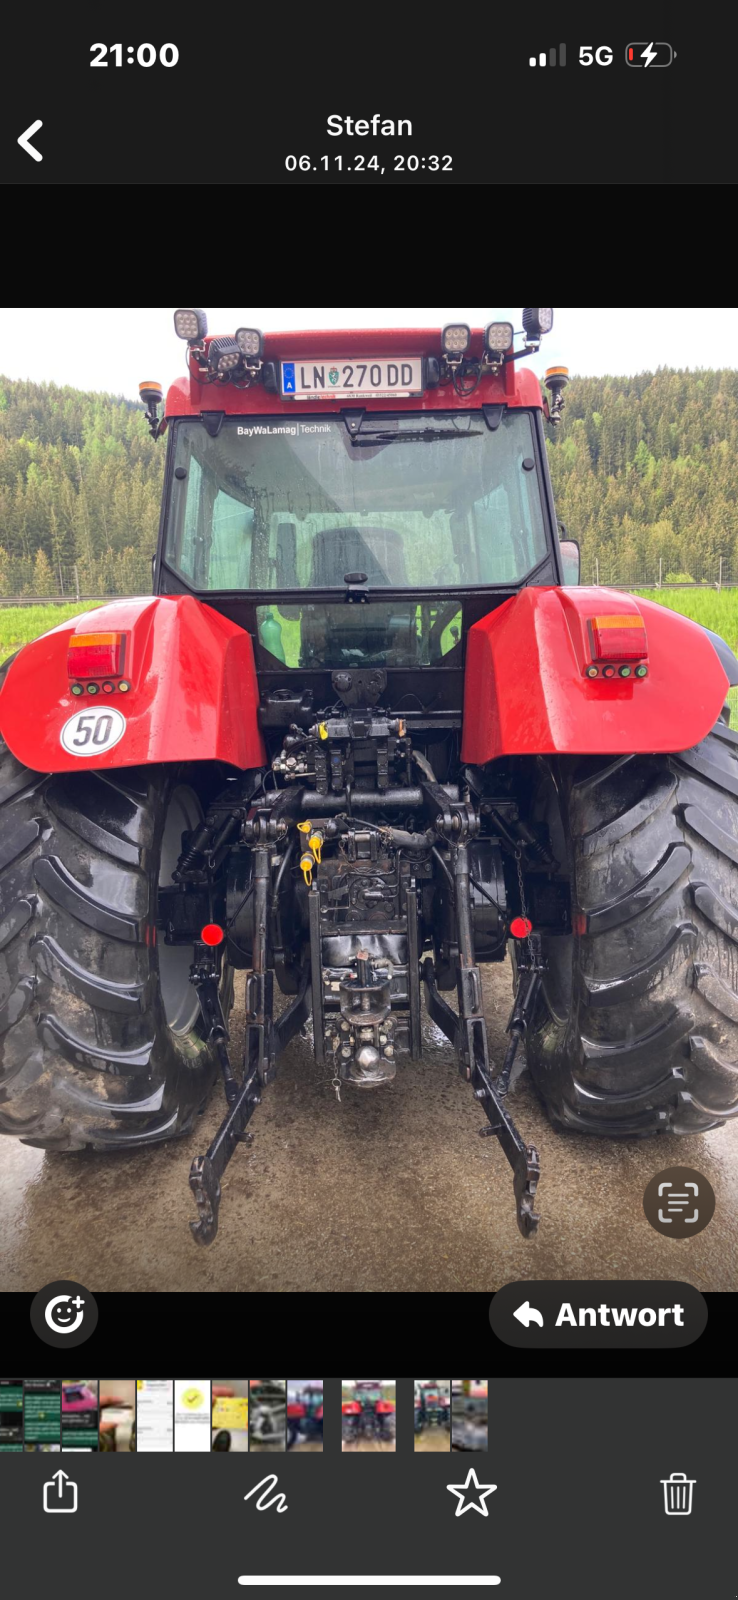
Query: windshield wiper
{"type": "Point", "coordinates": [416, 435]}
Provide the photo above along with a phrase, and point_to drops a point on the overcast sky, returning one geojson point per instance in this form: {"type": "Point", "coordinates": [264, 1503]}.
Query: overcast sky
{"type": "Point", "coordinates": [114, 350]}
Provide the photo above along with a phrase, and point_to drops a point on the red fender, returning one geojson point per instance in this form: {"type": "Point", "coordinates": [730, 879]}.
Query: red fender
{"type": "Point", "coordinates": [295, 1410]}
{"type": "Point", "coordinates": [383, 1406]}
{"type": "Point", "coordinates": [526, 691]}
{"type": "Point", "coordinates": [193, 693]}
{"type": "Point", "coordinates": [351, 1408]}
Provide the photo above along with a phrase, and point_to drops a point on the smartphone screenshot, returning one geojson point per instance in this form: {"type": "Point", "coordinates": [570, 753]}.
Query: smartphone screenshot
{"type": "Point", "coordinates": [192, 1418]}
{"type": "Point", "coordinates": [42, 1421]}
{"type": "Point", "coordinates": [369, 889]}
{"type": "Point", "coordinates": [154, 1414]}
{"type": "Point", "coordinates": [11, 1414]}
{"type": "Point", "coordinates": [79, 1414]}
{"type": "Point", "coordinates": [567, 99]}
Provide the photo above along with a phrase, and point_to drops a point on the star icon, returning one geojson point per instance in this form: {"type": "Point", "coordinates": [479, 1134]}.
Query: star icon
{"type": "Point", "coordinates": [482, 1490]}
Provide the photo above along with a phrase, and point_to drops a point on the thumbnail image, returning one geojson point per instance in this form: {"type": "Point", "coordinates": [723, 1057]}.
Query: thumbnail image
{"type": "Point", "coordinates": [267, 1413]}
{"type": "Point", "coordinates": [304, 1414]}
{"type": "Point", "coordinates": [192, 1417]}
{"type": "Point", "coordinates": [230, 1419]}
{"type": "Point", "coordinates": [469, 1414]}
{"type": "Point", "coordinates": [432, 1414]}
{"type": "Point", "coordinates": [41, 1413]}
{"type": "Point", "coordinates": [117, 1413]}
{"type": "Point", "coordinates": [11, 1414]}
{"type": "Point", "coordinates": [79, 1413]}
{"type": "Point", "coordinates": [368, 1414]}
{"type": "Point", "coordinates": [154, 1414]}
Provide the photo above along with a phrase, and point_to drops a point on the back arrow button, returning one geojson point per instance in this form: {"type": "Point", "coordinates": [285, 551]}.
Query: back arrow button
{"type": "Point", "coordinates": [26, 137]}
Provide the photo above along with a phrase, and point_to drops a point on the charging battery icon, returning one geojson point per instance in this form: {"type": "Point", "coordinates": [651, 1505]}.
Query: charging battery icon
{"type": "Point", "coordinates": [649, 55]}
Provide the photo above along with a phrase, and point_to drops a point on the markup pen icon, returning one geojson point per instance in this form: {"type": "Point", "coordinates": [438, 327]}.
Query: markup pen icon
{"type": "Point", "coordinates": [649, 55]}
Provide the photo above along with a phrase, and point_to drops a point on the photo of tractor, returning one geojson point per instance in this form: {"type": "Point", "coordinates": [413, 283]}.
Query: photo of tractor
{"type": "Point", "coordinates": [367, 734]}
{"type": "Point", "coordinates": [432, 1414]}
{"type": "Point", "coordinates": [368, 1414]}
{"type": "Point", "coordinates": [305, 1414]}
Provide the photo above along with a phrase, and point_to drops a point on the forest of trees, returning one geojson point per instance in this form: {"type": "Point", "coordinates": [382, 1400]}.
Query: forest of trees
{"type": "Point", "coordinates": [644, 468]}
{"type": "Point", "coordinates": [80, 486]}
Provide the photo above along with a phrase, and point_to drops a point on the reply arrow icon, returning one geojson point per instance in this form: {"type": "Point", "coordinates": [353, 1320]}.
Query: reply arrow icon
{"type": "Point", "coordinates": [527, 1314]}
{"type": "Point", "coordinates": [24, 141]}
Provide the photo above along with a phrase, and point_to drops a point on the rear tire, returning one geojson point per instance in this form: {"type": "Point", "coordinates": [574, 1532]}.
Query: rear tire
{"type": "Point", "coordinates": [100, 1032]}
{"type": "Point", "coordinates": [636, 1030]}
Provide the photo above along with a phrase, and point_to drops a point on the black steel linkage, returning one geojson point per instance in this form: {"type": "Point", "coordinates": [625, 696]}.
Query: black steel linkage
{"type": "Point", "coordinates": [468, 1033]}
{"type": "Point", "coordinates": [205, 976]}
{"type": "Point", "coordinates": [413, 971]}
{"type": "Point", "coordinates": [265, 1040]}
{"type": "Point", "coordinates": [472, 1025]}
{"type": "Point", "coordinates": [292, 1018]}
{"type": "Point", "coordinates": [206, 1171]}
{"type": "Point", "coordinates": [260, 982]}
{"type": "Point", "coordinates": [523, 1158]}
{"type": "Point", "coordinates": [316, 968]}
{"type": "Point", "coordinates": [439, 1009]}
{"type": "Point", "coordinates": [530, 972]}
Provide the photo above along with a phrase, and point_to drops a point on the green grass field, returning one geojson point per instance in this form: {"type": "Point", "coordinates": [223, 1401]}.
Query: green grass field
{"type": "Point", "coordinates": [718, 611]}
{"type": "Point", "coordinates": [713, 610]}
{"type": "Point", "coordinates": [20, 624]}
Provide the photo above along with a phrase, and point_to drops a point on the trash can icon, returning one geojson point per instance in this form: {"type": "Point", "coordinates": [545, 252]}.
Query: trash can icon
{"type": "Point", "coordinates": [678, 1494]}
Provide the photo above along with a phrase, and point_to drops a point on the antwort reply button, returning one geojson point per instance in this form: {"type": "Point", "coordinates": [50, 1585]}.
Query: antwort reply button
{"type": "Point", "coordinates": [609, 1314]}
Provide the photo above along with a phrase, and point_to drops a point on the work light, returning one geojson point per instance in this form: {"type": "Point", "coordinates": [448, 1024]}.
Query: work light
{"type": "Point", "coordinates": [455, 339]}
{"type": "Point", "coordinates": [191, 325]}
{"type": "Point", "coordinates": [249, 341]}
{"type": "Point", "coordinates": [223, 356]}
{"type": "Point", "coordinates": [498, 336]}
{"type": "Point", "coordinates": [537, 321]}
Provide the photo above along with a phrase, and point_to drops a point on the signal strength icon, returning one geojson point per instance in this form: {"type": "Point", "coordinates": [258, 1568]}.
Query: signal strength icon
{"type": "Point", "coordinates": [549, 57]}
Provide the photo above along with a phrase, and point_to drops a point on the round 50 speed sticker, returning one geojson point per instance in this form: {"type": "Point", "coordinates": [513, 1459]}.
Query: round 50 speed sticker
{"type": "Point", "coordinates": [91, 733]}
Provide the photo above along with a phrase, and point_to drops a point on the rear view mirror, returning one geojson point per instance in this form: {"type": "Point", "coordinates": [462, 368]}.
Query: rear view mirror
{"type": "Point", "coordinates": [286, 573]}
{"type": "Point", "coordinates": [570, 560]}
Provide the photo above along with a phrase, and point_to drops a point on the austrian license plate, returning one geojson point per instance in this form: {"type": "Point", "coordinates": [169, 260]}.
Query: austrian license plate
{"type": "Point", "coordinates": [384, 378]}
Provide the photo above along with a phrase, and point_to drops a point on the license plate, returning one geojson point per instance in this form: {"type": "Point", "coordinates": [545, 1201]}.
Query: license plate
{"type": "Point", "coordinates": [385, 378]}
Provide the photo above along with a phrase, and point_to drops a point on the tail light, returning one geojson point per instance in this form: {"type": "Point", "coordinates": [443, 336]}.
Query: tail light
{"type": "Point", "coordinates": [617, 638]}
{"type": "Point", "coordinates": [95, 655]}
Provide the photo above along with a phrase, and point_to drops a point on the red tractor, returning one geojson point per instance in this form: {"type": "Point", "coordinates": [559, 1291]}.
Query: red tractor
{"type": "Point", "coordinates": [432, 1407]}
{"type": "Point", "coordinates": [305, 1416]}
{"type": "Point", "coordinates": [367, 1415]}
{"type": "Point", "coordinates": [367, 734]}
